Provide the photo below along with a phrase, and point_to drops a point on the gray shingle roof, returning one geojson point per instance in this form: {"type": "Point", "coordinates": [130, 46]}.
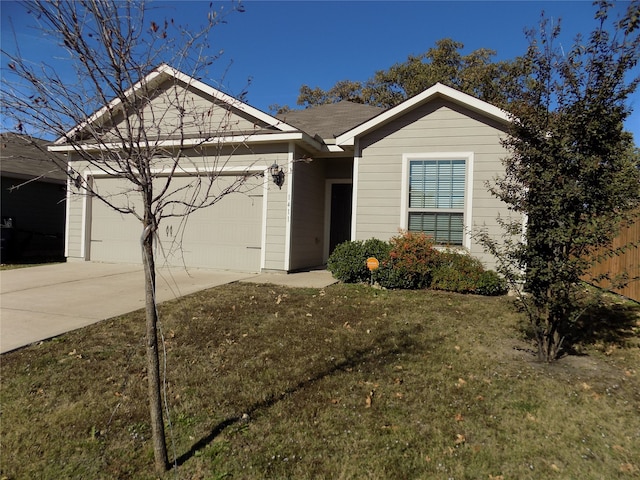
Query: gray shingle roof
{"type": "Point", "coordinates": [20, 159]}
{"type": "Point", "coordinates": [328, 121]}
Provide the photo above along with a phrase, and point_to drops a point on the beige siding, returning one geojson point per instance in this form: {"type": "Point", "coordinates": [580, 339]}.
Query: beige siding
{"type": "Point", "coordinates": [307, 219]}
{"type": "Point", "coordinates": [175, 109]}
{"type": "Point", "coordinates": [437, 127]}
{"type": "Point", "coordinates": [276, 228]}
{"type": "Point", "coordinates": [74, 223]}
{"type": "Point", "coordinates": [73, 234]}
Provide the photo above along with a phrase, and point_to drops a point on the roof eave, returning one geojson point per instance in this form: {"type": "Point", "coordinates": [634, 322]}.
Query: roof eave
{"type": "Point", "coordinates": [33, 177]}
{"type": "Point", "coordinates": [196, 142]}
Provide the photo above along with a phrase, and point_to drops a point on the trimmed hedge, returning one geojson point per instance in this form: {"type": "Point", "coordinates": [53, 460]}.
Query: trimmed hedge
{"type": "Point", "coordinates": [348, 262]}
{"type": "Point", "coordinates": [410, 261]}
{"type": "Point", "coordinates": [457, 273]}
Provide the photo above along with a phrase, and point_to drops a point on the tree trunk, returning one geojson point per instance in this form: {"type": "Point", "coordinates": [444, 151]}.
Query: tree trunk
{"type": "Point", "coordinates": [153, 362]}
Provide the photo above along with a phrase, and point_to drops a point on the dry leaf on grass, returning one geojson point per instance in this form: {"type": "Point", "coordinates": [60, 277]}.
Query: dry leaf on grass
{"type": "Point", "coordinates": [628, 468]}
{"type": "Point", "coordinates": [369, 400]}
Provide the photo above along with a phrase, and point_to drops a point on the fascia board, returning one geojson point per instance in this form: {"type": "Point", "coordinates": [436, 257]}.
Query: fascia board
{"type": "Point", "coordinates": [165, 69]}
{"type": "Point", "coordinates": [34, 178]}
{"type": "Point", "coordinates": [182, 172]}
{"type": "Point", "coordinates": [348, 138]}
{"type": "Point", "coordinates": [228, 140]}
{"type": "Point", "coordinates": [334, 149]}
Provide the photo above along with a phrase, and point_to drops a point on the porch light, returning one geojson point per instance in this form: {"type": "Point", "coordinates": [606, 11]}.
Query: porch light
{"type": "Point", "coordinates": [277, 174]}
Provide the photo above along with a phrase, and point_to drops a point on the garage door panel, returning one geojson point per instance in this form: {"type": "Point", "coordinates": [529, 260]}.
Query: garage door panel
{"type": "Point", "coordinates": [226, 235]}
{"type": "Point", "coordinates": [115, 237]}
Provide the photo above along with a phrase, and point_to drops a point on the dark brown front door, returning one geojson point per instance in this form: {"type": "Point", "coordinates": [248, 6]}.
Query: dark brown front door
{"type": "Point", "coordinates": [340, 227]}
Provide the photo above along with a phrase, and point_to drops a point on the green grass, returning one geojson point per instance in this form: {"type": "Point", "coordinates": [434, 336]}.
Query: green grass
{"type": "Point", "coordinates": [266, 382]}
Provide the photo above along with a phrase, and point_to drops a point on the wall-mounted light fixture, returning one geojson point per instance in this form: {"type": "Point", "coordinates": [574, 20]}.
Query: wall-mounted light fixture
{"type": "Point", "coordinates": [277, 174]}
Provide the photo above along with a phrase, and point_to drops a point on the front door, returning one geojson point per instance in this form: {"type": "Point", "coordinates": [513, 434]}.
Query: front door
{"type": "Point", "coordinates": [340, 223]}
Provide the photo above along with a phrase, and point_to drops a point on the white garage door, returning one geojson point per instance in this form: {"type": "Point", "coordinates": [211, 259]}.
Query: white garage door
{"type": "Point", "coordinates": [226, 235]}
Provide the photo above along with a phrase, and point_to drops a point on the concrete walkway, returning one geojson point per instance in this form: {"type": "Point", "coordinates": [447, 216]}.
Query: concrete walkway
{"type": "Point", "coordinates": [41, 302]}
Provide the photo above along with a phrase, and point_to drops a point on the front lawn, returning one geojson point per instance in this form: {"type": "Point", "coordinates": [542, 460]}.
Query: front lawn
{"type": "Point", "coordinates": [266, 382]}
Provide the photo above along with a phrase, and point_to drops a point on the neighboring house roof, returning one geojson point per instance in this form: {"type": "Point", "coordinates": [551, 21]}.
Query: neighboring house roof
{"type": "Point", "coordinates": [330, 120]}
{"type": "Point", "coordinates": [20, 158]}
{"type": "Point", "coordinates": [436, 91]}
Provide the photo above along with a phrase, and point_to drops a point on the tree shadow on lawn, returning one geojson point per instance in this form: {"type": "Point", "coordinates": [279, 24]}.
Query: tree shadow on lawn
{"type": "Point", "coordinates": [614, 323]}
{"type": "Point", "coordinates": [382, 349]}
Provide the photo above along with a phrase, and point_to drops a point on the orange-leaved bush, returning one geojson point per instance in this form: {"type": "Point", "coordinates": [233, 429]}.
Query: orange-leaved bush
{"type": "Point", "coordinates": [412, 260]}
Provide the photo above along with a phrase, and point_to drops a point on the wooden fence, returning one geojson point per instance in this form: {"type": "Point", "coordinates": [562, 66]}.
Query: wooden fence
{"type": "Point", "coordinates": [628, 261]}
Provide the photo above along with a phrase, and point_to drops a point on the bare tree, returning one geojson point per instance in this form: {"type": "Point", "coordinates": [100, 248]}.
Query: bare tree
{"type": "Point", "coordinates": [128, 114]}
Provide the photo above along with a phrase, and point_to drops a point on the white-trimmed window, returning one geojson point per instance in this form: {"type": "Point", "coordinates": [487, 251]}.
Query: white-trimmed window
{"type": "Point", "coordinates": [435, 197]}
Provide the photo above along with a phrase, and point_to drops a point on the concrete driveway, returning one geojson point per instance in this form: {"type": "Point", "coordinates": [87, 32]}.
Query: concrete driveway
{"type": "Point", "coordinates": [41, 302]}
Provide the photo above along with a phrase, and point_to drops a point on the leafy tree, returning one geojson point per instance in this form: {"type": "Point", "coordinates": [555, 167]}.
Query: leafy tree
{"type": "Point", "coordinates": [571, 170]}
{"type": "Point", "coordinates": [112, 48]}
{"type": "Point", "coordinates": [475, 74]}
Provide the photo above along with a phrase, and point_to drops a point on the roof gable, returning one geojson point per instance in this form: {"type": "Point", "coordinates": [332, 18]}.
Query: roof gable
{"type": "Point", "coordinates": [436, 91]}
{"type": "Point", "coordinates": [164, 73]}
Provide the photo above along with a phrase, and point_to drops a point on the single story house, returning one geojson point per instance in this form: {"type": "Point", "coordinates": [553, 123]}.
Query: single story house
{"type": "Point", "coordinates": [32, 200]}
{"type": "Point", "coordinates": [349, 172]}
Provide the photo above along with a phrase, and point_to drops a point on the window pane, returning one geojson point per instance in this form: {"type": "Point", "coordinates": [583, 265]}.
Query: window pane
{"type": "Point", "coordinates": [436, 183]}
{"type": "Point", "coordinates": [445, 228]}
{"type": "Point", "coordinates": [456, 229]}
{"type": "Point", "coordinates": [433, 185]}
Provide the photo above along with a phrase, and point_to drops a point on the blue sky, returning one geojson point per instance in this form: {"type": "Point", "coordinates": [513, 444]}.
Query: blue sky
{"type": "Point", "coordinates": [281, 45]}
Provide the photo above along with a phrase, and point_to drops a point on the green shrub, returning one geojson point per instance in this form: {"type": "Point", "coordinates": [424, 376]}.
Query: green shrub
{"type": "Point", "coordinates": [412, 259]}
{"type": "Point", "coordinates": [376, 248]}
{"type": "Point", "coordinates": [389, 276]}
{"type": "Point", "coordinates": [345, 262]}
{"type": "Point", "coordinates": [492, 284]}
{"type": "Point", "coordinates": [348, 261]}
{"type": "Point", "coordinates": [458, 272]}
{"type": "Point", "coordinates": [409, 261]}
